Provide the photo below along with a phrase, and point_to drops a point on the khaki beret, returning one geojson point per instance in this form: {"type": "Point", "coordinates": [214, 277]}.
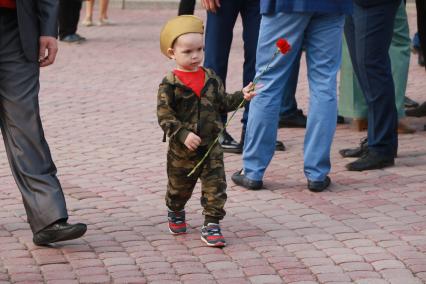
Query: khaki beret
{"type": "Point", "coordinates": [178, 26]}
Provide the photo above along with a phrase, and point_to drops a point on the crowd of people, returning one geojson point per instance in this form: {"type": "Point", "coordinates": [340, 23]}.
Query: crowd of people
{"type": "Point", "coordinates": [192, 100]}
{"type": "Point", "coordinates": [374, 39]}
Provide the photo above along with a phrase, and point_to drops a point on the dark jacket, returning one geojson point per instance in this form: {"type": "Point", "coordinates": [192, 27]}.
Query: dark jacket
{"type": "Point", "coordinates": [36, 18]}
{"type": "Point", "coordinates": [296, 6]}
{"type": "Point", "coordinates": [370, 3]}
{"type": "Point", "coordinates": [180, 110]}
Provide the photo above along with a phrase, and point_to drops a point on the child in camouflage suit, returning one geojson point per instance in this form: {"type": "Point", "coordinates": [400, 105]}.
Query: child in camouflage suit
{"type": "Point", "coordinates": [190, 101]}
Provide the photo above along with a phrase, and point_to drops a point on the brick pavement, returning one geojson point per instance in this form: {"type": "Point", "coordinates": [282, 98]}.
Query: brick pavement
{"type": "Point", "coordinates": [98, 105]}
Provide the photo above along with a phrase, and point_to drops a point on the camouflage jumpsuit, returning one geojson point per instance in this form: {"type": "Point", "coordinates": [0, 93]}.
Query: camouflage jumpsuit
{"type": "Point", "coordinates": [180, 111]}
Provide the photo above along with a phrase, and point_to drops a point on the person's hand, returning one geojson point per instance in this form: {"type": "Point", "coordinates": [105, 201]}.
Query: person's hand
{"type": "Point", "coordinates": [211, 5]}
{"type": "Point", "coordinates": [249, 91]}
{"type": "Point", "coordinates": [192, 141]}
{"type": "Point", "coordinates": [48, 50]}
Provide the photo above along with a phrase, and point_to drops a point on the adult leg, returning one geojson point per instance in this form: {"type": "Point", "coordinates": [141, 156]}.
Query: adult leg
{"type": "Point", "coordinates": [250, 15]}
{"type": "Point", "coordinates": [89, 11]}
{"type": "Point", "coordinates": [369, 35]}
{"type": "Point", "coordinates": [289, 104]}
{"type": "Point", "coordinates": [186, 7]}
{"type": "Point", "coordinates": [103, 7]}
{"type": "Point", "coordinates": [351, 100]}
{"type": "Point", "coordinates": [265, 107]}
{"type": "Point", "coordinates": [421, 24]}
{"type": "Point", "coordinates": [27, 150]}
{"type": "Point", "coordinates": [218, 40]}
{"type": "Point", "coordinates": [69, 14]}
{"type": "Point", "coordinates": [399, 53]}
{"type": "Point", "coordinates": [290, 116]}
{"type": "Point", "coordinates": [323, 41]}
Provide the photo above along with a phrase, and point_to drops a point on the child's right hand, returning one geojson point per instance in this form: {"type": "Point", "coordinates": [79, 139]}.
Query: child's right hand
{"type": "Point", "coordinates": [192, 141]}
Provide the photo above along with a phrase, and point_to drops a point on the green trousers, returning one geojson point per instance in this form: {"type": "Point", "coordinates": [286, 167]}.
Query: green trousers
{"type": "Point", "coordinates": [351, 99]}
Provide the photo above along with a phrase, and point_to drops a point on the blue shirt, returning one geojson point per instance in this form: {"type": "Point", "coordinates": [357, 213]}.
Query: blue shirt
{"type": "Point", "coordinates": [289, 6]}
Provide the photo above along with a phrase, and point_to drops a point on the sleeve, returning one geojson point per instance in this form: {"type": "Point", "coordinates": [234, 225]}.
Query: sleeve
{"type": "Point", "coordinates": [166, 114]}
{"type": "Point", "coordinates": [228, 102]}
{"type": "Point", "coordinates": [48, 17]}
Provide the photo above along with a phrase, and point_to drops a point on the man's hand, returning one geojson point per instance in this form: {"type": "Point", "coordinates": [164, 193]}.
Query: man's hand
{"type": "Point", "coordinates": [48, 50]}
{"type": "Point", "coordinates": [192, 141]}
{"type": "Point", "coordinates": [211, 5]}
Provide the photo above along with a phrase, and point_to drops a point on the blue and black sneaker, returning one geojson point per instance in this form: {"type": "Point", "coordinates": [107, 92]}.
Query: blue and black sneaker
{"type": "Point", "coordinates": [212, 236]}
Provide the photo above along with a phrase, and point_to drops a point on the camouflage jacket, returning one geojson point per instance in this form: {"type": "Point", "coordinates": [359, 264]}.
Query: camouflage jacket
{"type": "Point", "coordinates": [180, 111]}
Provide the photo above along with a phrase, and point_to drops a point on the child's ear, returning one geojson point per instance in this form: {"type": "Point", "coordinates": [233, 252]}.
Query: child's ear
{"type": "Point", "coordinates": [171, 53]}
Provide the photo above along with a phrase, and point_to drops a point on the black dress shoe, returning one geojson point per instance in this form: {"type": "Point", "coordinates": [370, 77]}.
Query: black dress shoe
{"type": "Point", "coordinates": [73, 38]}
{"type": "Point", "coordinates": [418, 111]}
{"type": "Point", "coordinates": [59, 231]}
{"type": "Point", "coordinates": [409, 103]}
{"type": "Point", "coordinates": [279, 146]}
{"type": "Point", "coordinates": [240, 179]}
{"type": "Point", "coordinates": [318, 186]}
{"type": "Point", "coordinates": [355, 152]}
{"type": "Point", "coordinates": [229, 145]}
{"type": "Point", "coordinates": [371, 161]}
{"type": "Point", "coordinates": [294, 120]}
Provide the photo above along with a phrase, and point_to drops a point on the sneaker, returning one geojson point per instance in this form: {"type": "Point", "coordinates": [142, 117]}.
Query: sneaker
{"type": "Point", "coordinates": [177, 224]}
{"type": "Point", "coordinates": [212, 236]}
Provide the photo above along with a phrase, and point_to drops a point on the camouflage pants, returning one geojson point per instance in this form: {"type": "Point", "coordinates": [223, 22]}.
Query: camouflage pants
{"type": "Point", "coordinates": [180, 162]}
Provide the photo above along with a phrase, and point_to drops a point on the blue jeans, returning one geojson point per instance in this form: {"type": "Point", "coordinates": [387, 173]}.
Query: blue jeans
{"type": "Point", "coordinates": [289, 103]}
{"type": "Point", "coordinates": [321, 34]}
{"type": "Point", "coordinates": [219, 34]}
{"type": "Point", "coordinates": [369, 32]}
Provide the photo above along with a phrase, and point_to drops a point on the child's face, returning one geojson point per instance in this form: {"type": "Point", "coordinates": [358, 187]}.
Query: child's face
{"type": "Point", "coordinates": [188, 51]}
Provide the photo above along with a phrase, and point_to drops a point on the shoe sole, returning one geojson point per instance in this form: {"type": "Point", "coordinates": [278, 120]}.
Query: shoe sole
{"type": "Point", "coordinates": [216, 245]}
{"type": "Point", "coordinates": [320, 189]}
{"type": "Point", "coordinates": [72, 236]}
{"type": "Point", "coordinates": [385, 165]}
{"type": "Point", "coordinates": [176, 234]}
{"type": "Point", "coordinates": [245, 186]}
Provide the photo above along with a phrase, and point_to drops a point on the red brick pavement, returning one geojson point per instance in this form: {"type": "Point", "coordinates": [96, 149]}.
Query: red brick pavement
{"type": "Point", "coordinates": [98, 104]}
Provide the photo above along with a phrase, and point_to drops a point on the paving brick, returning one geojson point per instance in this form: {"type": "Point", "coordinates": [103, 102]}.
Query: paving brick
{"type": "Point", "coordinates": [387, 264]}
{"type": "Point", "coordinates": [263, 279]}
{"type": "Point", "coordinates": [98, 105]}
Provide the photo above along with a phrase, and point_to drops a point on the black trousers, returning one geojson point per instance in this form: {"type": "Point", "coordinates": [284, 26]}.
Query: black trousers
{"type": "Point", "coordinates": [27, 150]}
{"type": "Point", "coordinates": [421, 24]}
{"type": "Point", "coordinates": [186, 7]}
{"type": "Point", "coordinates": [69, 15]}
{"type": "Point", "coordinates": [369, 32]}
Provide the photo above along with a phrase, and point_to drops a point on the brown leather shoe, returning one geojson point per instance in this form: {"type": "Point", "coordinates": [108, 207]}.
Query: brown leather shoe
{"type": "Point", "coordinates": [404, 128]}
{"type": "Point", "coordinates": [359, 124]}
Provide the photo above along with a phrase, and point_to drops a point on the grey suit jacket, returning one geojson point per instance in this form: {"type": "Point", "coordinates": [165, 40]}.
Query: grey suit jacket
{"type": "Point", "coordinates": [36, 18]}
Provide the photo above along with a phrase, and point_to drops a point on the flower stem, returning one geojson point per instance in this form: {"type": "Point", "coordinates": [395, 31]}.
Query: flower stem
{"type": "Point", "coordinates": [255, 80]}
{"type": "Point", "coordinates": [215, 141]}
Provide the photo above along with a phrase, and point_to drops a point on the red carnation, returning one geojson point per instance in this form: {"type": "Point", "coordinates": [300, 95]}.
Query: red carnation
{"type": "Point", "coordinates": [283, 45]}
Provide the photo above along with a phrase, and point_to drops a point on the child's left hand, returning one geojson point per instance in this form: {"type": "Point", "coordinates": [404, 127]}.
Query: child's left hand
{"type": "Point", "coordinates": [249, 91]}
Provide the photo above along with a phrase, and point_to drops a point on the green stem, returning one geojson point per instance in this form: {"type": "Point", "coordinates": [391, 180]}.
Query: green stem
{"type": "Point", "coordinates": [229, 120]}
{"type": "Point", "coordinates": [215, 141]}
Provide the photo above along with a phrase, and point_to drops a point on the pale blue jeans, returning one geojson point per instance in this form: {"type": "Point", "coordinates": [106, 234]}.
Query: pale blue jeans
{"type": "Point", "coordinates": [321, 35]}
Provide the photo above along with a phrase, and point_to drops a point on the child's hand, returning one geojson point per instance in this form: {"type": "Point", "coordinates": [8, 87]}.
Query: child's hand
{"type": "Point", "coordinates": [192, 141]}
{"type": "Point", "coordinates": [249, 91]}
